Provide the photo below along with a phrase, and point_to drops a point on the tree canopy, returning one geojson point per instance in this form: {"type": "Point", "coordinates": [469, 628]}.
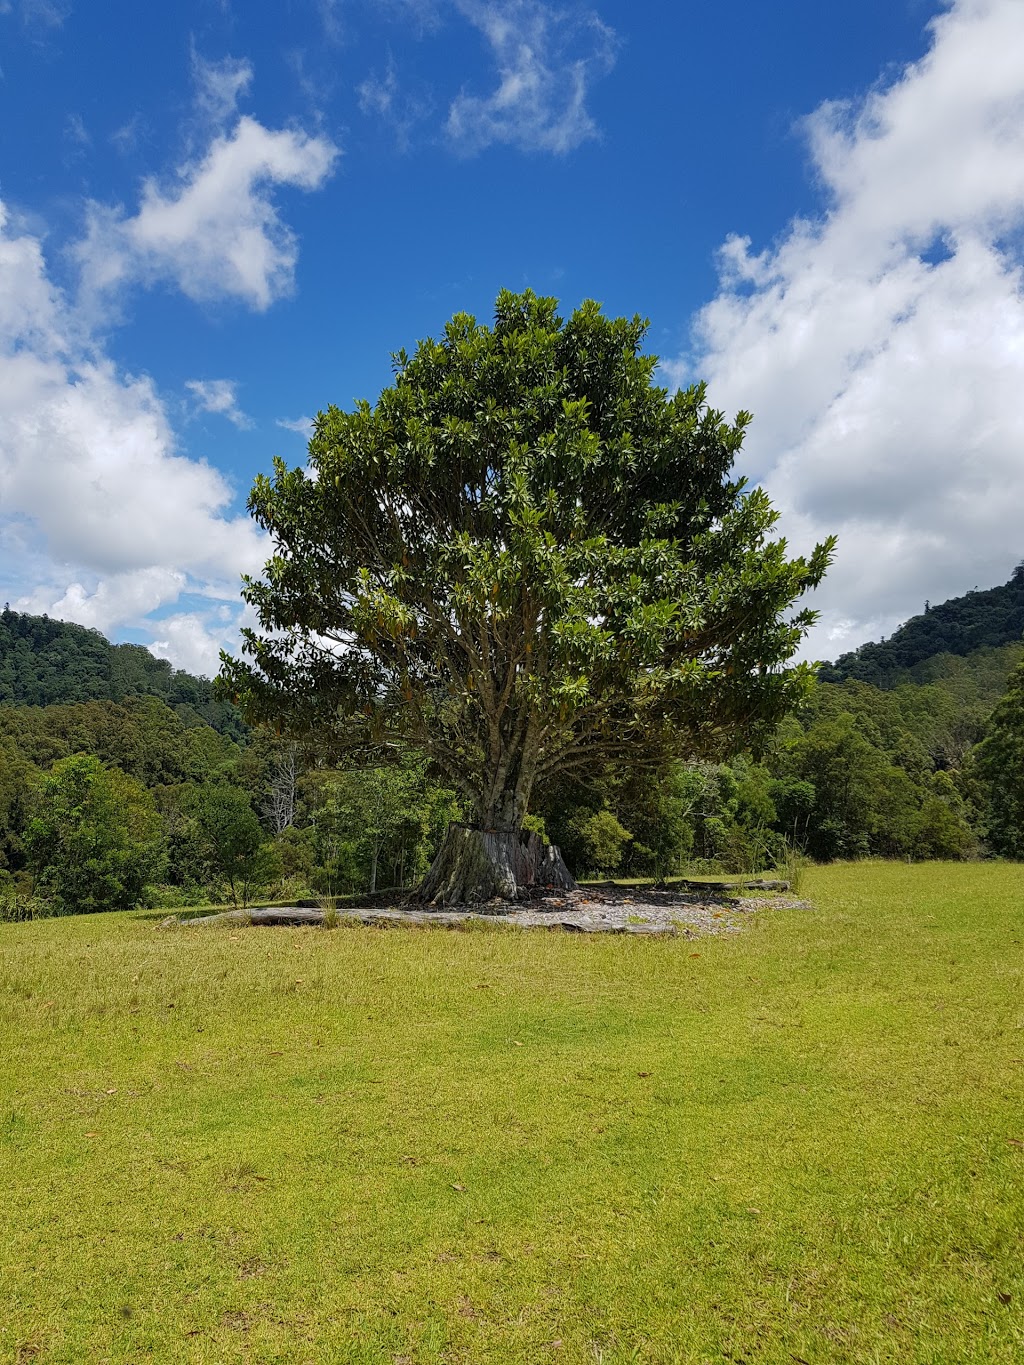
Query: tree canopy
{"type": "Point", "coordinates": [525, 559]}
{"type": "Point", "coordinates": [45, 662]}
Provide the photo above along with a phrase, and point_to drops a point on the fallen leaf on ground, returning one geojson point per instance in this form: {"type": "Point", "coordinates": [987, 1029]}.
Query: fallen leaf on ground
{"type": "Point", "coordinates": [460, 1188]}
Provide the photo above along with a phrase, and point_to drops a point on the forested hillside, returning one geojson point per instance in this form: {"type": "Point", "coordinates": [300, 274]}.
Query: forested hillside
{"type": "Point", "coordinates": [43, 662]}
{"type": "Point", "coordinates": [961, 626]}
{"type": "Point", "coordinates": [119, 772]}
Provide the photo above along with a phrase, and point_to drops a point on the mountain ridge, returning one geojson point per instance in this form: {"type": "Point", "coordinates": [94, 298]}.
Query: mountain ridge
{"type": "Point", "coordinates": [977, 620]}
{"type": "Point", "coordinates": [46, 662]}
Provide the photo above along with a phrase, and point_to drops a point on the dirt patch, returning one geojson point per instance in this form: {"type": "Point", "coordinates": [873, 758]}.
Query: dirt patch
{"type": "Point", "coordinates": [608, 909]}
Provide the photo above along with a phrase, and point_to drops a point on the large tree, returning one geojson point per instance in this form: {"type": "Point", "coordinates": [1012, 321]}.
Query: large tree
{"type": "Point", "coordinates": [525, 559]}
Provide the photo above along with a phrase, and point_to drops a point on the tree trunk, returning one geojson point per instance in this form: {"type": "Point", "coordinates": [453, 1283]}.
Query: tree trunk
{"type": "Point", "coordinates": [474, 865]}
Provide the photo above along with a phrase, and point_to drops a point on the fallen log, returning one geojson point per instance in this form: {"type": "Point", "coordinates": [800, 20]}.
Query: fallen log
{"type": "Point", "coordinates": [747, 884]}
{"type": "Point", "coordinates": [296, 916]}
{"type": "Point", "coordinates": [259, 914]}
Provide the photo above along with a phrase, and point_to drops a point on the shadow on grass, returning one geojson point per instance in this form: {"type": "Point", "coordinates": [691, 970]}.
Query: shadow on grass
{"type": "Point", "coordinates": [363, 900]}
{"type": "Point", "coordinates": [676, 891]}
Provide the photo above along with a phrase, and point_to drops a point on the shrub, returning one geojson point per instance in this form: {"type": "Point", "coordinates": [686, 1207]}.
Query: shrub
{"type": "Point", "coordinates": [96, 841]}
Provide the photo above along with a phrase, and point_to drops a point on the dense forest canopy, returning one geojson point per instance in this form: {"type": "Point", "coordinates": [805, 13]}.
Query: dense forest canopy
{"type": "Point", "coordinates": [45, 662]}
{"type": "Point", "coordinates": [860, 769]}
{"type": "Point", "coordinates": [978, 620]}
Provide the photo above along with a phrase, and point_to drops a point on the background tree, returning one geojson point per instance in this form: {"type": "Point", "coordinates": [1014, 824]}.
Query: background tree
{"type": "Point", "coordinates": [604, 839]}
{"type": "Point", "coordinates": [378, 821]}
{"type": "Point", "coordinates": [525, 559]}
{"type": "Point", "coordinates": [999, 766]}
{"type": "Point", "coordinates": [96, 840]}
{"type": "Point", "coordinates": [233, 840]}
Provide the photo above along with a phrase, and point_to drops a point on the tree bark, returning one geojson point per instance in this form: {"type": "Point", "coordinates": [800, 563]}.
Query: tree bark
{"type": "Point", "coordinates": [475, 865]}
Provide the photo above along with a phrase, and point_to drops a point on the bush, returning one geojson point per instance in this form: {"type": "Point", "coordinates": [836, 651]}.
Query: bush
{"type": "Point", "coordinates": [18, 908]}
{"type": "Point", "coordinates": [603, 840]}
{"type": "Point", "coordinates": [96, 841]}
{"type": "Point", "coordinates": [940, 832]}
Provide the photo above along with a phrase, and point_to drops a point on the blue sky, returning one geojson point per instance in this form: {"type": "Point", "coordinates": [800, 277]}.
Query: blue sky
{"type": "Point", "coordinates": [219, 218]}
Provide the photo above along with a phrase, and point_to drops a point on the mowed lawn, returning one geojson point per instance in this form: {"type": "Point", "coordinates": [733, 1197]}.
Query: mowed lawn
{"type": "Point", "coordinates": [804, 1142]}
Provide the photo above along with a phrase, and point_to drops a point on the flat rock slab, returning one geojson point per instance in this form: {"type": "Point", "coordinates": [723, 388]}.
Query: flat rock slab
{"type": "Point", "coordinates": [640, 911]}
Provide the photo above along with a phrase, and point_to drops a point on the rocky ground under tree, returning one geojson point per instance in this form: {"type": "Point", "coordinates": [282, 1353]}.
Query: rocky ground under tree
{"type": "Point", "coordinates": [608, 908]}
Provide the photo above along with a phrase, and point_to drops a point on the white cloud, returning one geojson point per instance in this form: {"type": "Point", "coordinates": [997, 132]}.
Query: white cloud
{"type": "Point", "coordinates": [190, 642]}
{"type": "Point", "coordinates": [102, 521]}
{"type": "Point", "coordinates": [214, 231]}
{"type": "Point", "coordinates": [547, 59]}
{"type": "Point", "coordinates": [330, 20]}
{"type": "Point", "coordinates": [40, 14]}
{"type": "Point", "coordinates": [126, 138]}
{"type": "Point", "coordinates": [303, 426]}
{"type": "Point", "coordinates": [398, 107]}
{"type": "Point", "coordinates": [377, 93]}
{"type": "Point", "coordinates": [881, 346]}
{"type": "Point", "coordinates": [219, 86]}
{"type": "Point", "coordinates": [76, 133]}
{"type": "Point", "coordinates": [219, 396]}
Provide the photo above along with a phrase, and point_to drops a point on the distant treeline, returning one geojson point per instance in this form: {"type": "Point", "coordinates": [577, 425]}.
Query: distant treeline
{"type": "Point", "coordinates": [961, 626]}
{"type": "Point", "coordinates": [45, 663]}
{"type": "Point", "coordinates": [119, 772]}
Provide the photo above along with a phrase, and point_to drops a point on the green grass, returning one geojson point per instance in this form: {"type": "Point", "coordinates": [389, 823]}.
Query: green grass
{"type": "Point", "coordinates": [799, 1143]}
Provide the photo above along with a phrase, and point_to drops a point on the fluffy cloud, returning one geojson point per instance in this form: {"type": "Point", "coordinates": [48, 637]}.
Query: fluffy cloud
{"type": "Point", "coordinates": [213, 231]}
{"type": "Point", "coordinates": [192, 641]}
{"type": "Point", "coordinates": [547, 60]}
{"type": "Point", "coordinates": [219, 396]}
{"type": "Point", "coordinates": [881, 346]}
{"type": "Point", "coordinates": [104, 519]}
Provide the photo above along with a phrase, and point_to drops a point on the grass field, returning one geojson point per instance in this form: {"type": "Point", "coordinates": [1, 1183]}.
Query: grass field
{"type": "Point", "coordinates": [801, 1143]}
